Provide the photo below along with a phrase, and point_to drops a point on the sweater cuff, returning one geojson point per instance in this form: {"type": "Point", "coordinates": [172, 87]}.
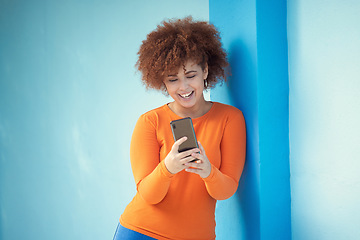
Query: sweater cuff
{"type": "Point", "coordinates": [165, 171]}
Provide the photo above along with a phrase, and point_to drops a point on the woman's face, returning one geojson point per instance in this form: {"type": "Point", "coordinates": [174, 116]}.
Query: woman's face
{"type": "Point", "coordinates": [187, 85]}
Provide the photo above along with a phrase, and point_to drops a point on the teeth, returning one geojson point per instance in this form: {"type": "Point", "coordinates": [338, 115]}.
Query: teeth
{"type": "Point", "coordinates": [186, 95]}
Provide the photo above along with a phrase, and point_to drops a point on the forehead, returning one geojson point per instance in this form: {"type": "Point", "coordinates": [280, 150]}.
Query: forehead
{"type": "Point", "coordinates": [187, 66]}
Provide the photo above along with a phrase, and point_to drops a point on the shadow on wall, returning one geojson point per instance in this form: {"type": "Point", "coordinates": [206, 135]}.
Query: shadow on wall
{"type": "Point", "coordinates": [242, 85]}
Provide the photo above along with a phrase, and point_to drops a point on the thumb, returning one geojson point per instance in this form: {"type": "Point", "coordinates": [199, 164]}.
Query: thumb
{"type": "Point", "coordinates": [202, 150]}
{"type": "Point", "coordinates": [176, 145]}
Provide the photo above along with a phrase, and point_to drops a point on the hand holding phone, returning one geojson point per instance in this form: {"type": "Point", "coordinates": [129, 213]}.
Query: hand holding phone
{"type": "Point", "coordinates": [175, 161]}
{"type": "Point", "coordinates": [184, 127]}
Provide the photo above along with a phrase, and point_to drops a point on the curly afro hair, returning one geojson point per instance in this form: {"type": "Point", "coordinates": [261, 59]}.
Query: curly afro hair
{"type": "Point", "coordinates": [176, 41]}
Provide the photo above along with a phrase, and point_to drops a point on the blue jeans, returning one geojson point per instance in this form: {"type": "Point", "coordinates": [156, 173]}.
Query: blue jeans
{"type": "Point", "coordinates": [123, 233]}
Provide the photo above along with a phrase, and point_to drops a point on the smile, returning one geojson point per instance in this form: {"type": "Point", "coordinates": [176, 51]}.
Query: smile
{"type": "Point", "coordinates": [187, 95]}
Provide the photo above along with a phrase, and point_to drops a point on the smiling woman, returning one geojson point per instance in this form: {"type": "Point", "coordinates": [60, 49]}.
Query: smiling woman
{"type": "Point", "coordinates": [176, 196]}
{"type": "Point", "coordinates": [186, 88]}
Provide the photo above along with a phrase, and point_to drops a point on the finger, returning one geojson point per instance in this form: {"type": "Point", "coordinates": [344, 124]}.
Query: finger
{"type": "Point", "coordinates": [187, 159]}
{"type": "Point", "coordinates": [197, 164]}
{"type": "Point", "coordinates": [178, 143]}
{"type": "Point", "coordinates": [193, 170]}
{"type": "Point", "coordinates": [202, 150]}
{"type": "Point", "coordinates": [196, 158]}
{"type": "Point", "coordinates": [197, 155]}
{"type": "Point", "coordinates": [188, 152]}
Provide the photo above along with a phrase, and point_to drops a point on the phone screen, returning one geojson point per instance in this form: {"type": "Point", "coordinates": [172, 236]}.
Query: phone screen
{"type": "Point", "coordinates": [184, 127]}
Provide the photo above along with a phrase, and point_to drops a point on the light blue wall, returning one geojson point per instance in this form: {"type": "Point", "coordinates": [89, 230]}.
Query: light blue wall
{"type": "Point", "coordinates": [69, 99]}
{"type": "Point", "coordinates": [324, 57]}
{"type": "Point", "coordinates": [254, 34]}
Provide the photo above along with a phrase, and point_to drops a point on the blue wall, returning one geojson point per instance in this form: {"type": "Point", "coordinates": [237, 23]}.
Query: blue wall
{"type": "Point", "coordinates": [237, 22]}
{"type": "Point", "coordinates": [324, 57]}
{"type": "Point", "coordinates": [255, 35]}
{"type": "Point", "coordinates": [69, 99]}
{"type": "Point", "coordinates": [70, 96]}
{"type": "Point", "coordinates": [273, 98]}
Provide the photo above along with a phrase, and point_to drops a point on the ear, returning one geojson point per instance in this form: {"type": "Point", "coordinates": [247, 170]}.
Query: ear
{"type": "Point", "coordinates": [164, 90]}
{"type": "Point", "coordinates": [206, 72]}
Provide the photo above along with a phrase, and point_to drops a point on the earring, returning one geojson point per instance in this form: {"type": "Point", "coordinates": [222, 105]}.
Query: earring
{"type": "Point", "coordinates": [205, 83]}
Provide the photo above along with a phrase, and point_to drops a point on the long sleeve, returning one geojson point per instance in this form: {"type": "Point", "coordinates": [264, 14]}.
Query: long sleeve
{"type": "Point", "coordinates": [222, 183]}
{"type": "Point", "coordinates": [151, 176]}
{"type": "Point", "coordinates": [169, 198]}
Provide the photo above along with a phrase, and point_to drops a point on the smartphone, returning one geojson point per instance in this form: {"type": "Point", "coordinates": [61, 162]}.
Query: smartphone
{"type": "Point", "coordinates": [184, 127]}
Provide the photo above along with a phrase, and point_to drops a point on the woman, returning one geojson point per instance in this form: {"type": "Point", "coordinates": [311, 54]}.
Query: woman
{"type": "Point", "coordinates": [176, 196]}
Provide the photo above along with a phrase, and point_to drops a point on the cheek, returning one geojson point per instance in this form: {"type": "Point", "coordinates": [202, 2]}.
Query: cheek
{"type": "Point", "coordinates": [199, 84]}
{"type": "Point", "coordinates": [166, 86]}
{"type": "Point", "coordinates": [170, 88]}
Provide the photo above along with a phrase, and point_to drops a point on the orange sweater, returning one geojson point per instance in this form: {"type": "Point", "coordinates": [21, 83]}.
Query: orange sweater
{"type": "Point", "coordinates": [182, 206]}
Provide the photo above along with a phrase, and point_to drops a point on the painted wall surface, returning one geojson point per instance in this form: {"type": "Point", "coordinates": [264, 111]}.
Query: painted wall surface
{"type": "Point", "coordinates": [324, 57]}
{"type": "Point", "coordinates": [254, 34]}
{"type": "Point", "coordinates": [69, 99]}
{"type": "Point", "coordinates": [273, 110]}
{"type": "Point", "coordinates": [236, 21]}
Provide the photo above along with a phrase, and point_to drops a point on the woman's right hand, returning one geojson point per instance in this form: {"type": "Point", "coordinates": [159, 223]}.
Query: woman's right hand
{"type": "Point", "coordinates": [175, 161]}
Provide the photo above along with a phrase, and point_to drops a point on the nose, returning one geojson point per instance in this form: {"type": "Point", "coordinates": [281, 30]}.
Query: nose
{"type": "Point", "coordinates": [183, 84]}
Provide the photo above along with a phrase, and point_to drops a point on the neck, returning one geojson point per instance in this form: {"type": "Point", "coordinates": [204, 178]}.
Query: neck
{"type": "Point", "coordinates": [194, 112]}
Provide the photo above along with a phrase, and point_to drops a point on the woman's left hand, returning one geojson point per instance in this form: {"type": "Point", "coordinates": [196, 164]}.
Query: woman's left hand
{"type": "Point", "coordinates": [202, 166]}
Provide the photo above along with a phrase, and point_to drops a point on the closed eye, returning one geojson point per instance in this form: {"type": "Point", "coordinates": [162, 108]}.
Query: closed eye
{"type": "Point", "coordinates": [192, 76]}
{"type": "Point", "coordinates": [172, 80]}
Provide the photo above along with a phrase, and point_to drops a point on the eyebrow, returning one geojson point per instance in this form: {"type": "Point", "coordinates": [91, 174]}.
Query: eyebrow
{"type": "Point", "coordinates": [191, 71]}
